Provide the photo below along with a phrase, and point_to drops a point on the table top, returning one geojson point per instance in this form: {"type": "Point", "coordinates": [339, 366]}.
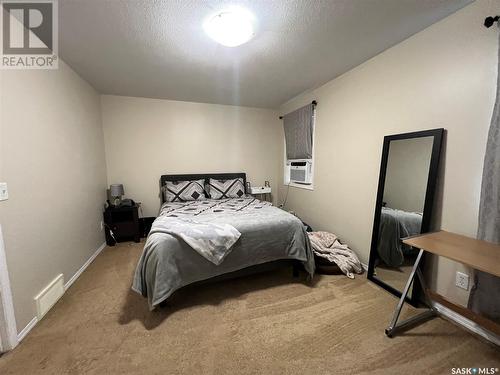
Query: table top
{"type": "Point", "coordinates": [480, 255]}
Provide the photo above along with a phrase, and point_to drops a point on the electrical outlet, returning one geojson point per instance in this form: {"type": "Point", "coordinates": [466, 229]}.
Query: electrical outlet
{"type": "Point", "coordinates": [462, 280]}
{"type": "Point", "coordinates": [4, 192]}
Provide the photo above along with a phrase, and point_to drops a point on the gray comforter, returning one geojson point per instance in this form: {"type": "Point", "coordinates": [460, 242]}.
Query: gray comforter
{"type": "Point", "coordinates": [267, 234]}
{"type": "Point", "coordinates": [395, 225]}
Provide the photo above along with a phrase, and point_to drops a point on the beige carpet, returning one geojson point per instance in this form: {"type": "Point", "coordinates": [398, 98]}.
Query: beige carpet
{"type": "Point", "coordinates": [394, 276]}
{"type": "Point", "coordinates": [264, 324]}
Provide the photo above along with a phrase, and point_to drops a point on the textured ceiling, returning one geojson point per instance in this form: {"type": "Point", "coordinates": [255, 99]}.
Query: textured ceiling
{"type": "Point", "coordinates": [158, 49]}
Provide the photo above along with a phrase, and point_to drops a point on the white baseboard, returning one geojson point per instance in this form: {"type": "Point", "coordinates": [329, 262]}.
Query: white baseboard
{"type": "Point", "coordinates": [467, 323]}
{"type": "Point", "coordinates": [21, 335]}
{"type": "Point", "coordinates": [84, 267]}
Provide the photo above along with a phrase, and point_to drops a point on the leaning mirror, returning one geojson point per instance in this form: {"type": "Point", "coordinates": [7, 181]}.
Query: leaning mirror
{"type": "Point", "coordinates": [407, 181]}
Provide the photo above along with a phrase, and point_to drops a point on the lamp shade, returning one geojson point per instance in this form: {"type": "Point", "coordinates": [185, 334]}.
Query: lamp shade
{"type": "Point", "coordinates": [116, 190]}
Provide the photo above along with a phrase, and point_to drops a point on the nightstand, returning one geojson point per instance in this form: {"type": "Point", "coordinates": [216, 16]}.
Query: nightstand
{"type": "Point", "coordinates": [264, 192]}
{"type": "Point", "coordinates": [123, 222]}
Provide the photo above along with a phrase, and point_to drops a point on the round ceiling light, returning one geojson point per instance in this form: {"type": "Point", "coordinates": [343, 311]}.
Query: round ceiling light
{"type": "Point", "coordinates": [230, 28]}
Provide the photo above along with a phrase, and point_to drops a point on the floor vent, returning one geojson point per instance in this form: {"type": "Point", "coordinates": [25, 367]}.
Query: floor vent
{"type": "Point", "coordinates": [49, 296]}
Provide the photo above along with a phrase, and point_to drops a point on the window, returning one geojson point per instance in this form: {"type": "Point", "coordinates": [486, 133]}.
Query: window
{"type": "Point", "coordinates": [299, 147]}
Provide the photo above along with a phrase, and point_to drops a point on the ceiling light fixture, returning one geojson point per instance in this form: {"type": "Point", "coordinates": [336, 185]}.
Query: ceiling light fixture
{"type": "Point", "coordinates": [230, 28]}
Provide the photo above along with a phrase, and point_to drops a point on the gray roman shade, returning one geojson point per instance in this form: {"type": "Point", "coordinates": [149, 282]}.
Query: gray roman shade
{"type": "Point", "coordinates": [299, 133]}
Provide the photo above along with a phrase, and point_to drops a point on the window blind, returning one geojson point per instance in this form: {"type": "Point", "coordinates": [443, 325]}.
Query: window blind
{"type": "Point", "coordinates": [298, 127]}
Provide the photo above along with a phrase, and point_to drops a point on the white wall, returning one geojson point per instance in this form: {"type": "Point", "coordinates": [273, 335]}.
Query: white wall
{"type": "Point", "coordinates": [444, 76]}
{"type": "Point", "coordinates": [146, 138]}
{"type": "Point", "coordinates": [52, 157]}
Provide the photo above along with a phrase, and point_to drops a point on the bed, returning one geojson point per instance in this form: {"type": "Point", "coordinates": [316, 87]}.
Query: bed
{"type": "Point", "coordinates": [395, 225]}
{"type": "Point", "coordinates": [267, 234]}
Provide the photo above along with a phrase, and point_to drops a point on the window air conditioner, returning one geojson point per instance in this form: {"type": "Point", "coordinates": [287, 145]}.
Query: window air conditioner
{"type": "Point", "coordinates": [300, 171]}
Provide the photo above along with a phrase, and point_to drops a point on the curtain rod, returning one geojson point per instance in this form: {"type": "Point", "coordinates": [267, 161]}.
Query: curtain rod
{"type": "Point", "coordinates": [489, 21]}
{"type": "Point", "coordinates": [314, 103]}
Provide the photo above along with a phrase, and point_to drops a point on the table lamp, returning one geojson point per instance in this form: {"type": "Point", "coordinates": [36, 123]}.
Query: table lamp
{"type": "Point", "coordinates": [116, 191]}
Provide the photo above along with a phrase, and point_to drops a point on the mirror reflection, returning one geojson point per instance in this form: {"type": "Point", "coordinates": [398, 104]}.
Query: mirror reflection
{"type": "Point", "coordinates": [402, 208]}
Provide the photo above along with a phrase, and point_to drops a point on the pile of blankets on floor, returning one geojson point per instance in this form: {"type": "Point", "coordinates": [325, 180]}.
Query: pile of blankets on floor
{"type": "Point", "coordinates": [327, 245]}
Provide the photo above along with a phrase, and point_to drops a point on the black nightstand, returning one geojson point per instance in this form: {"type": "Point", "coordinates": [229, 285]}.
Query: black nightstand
{"type": "Point", "coordinates": [124, 222]}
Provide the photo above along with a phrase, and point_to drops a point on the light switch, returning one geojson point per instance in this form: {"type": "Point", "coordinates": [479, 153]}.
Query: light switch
{"type": "Point", "coordinates": [4, 192]}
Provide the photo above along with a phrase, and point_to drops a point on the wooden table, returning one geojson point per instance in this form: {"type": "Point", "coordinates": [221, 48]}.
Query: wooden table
{"type": "Point", "coordinates": [480, 255]}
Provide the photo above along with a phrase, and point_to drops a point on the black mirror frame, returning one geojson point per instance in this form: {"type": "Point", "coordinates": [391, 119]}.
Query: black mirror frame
{"type": "Point", "coordinates": [428, 204]}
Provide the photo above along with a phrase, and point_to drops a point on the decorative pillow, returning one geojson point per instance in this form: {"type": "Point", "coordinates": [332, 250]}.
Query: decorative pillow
{"type": "Point", "coordinates": [181, 191]}
{"type": "Point", "coordinates": [218, 189]}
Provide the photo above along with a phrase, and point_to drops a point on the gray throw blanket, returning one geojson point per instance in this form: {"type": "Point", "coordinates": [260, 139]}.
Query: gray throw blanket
{"type": "Point", "coordinates": [326, 245]}
{"type": "Point", "coordinates": [210, 240]}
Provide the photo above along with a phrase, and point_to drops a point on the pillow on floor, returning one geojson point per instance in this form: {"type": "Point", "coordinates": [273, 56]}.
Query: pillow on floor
{"type": "Point", "coordinates": [219, 189]}
{"type": "Point", "coordinates": [182, 191]}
